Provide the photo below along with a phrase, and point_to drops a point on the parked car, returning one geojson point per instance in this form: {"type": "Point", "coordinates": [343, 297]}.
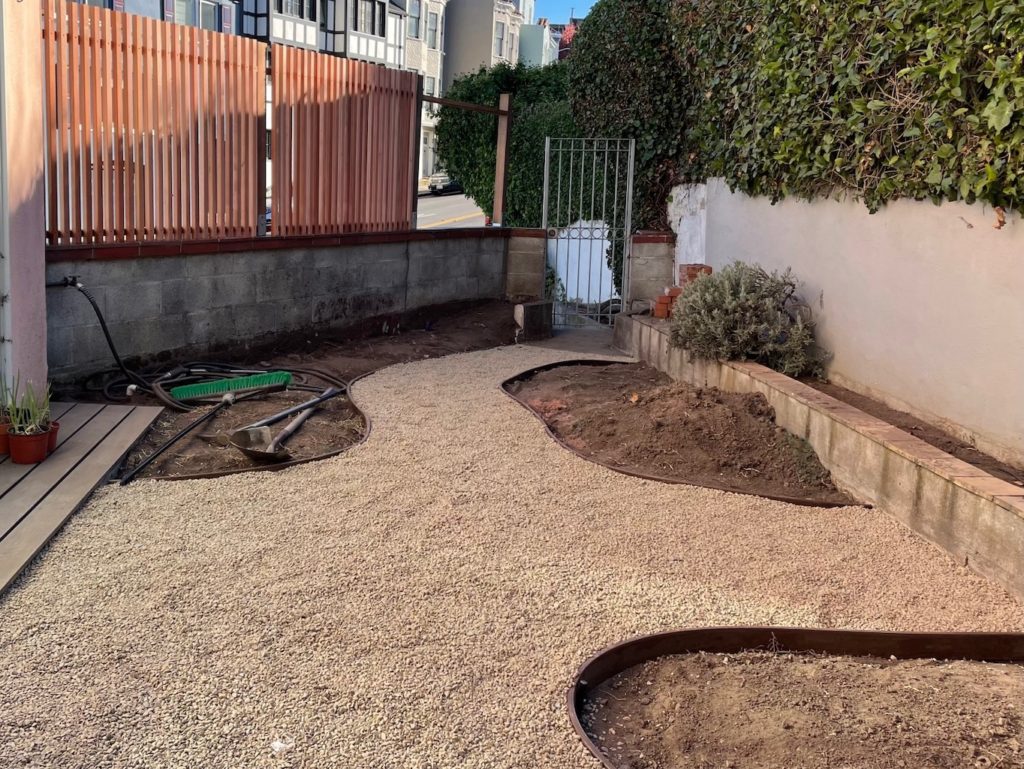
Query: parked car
{"type": "Point", "coordinates": [441, 184]}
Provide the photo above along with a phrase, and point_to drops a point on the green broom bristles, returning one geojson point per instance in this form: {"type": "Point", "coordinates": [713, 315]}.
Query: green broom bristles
{"type": "Point", "coordinates": [272, 379]}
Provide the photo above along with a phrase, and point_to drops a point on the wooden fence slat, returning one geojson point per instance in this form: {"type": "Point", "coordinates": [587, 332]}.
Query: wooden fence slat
{"type": "Point", "coordinates": [157, 131]}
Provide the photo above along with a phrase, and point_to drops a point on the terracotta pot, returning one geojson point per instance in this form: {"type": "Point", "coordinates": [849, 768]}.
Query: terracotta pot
{"type": "Point", "coordinates": [28, 449]}
{"type": "Point", "coordinates": [51, 441]}
{"type": "Point", "coordinates": [4, 443]}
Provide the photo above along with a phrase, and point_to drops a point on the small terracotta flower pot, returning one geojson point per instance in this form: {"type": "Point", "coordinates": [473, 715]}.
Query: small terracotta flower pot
{"type": "Point", "coordinates": [51, 441]}
{"type": "Point", "coordinates": [4, 442]}
{"type": "Point", "coordinates": [28, 449]}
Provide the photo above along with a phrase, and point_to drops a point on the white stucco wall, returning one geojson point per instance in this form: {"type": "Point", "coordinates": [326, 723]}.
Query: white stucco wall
{"type": "Point", "coordinates": [922, 306]}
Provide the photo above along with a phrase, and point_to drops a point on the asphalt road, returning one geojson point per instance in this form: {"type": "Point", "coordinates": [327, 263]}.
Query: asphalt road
{"type": "Point", "coordinates": [448, 211]}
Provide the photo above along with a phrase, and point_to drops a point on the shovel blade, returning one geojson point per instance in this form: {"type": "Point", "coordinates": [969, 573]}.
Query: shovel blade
{"type": "Point", "coordinates": [255, 443]}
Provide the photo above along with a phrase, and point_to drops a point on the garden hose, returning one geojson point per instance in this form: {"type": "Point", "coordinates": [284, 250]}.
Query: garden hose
{"type": "Point", "coordinates": [159, 382]}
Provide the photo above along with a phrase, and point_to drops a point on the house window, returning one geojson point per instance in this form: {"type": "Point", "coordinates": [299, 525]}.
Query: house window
{"type": "Point", "coordinates": [430, 86]}
{"type": "Point", "coordinates": [209, 15]}
{"type": "Point", "coordinates": [442, 30]}
{"type": "Point", "coordinates": [369, 17]}
{"type": "Point", "coordinates": [499, 39]}
{"type": "Point", "coordinates": [512, 47]}
{"type": "Point", "coordinates": [432, 30]}
{"type": "Point", "coordinates": [415, 15]}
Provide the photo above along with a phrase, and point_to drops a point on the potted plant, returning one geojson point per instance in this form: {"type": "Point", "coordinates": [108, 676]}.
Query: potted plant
{"type": "Point", "coordinates": [29, 431]}
{"type": "Point", "coordinates": [5, 417]}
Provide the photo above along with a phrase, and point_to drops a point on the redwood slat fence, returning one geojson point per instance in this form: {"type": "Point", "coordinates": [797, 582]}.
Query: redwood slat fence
{"type": "Point", "coordinates": [344, 144]}
{"type": "Point", "coordinates": [157, 132]}
{"type": "Point", "coordinates": [153, 129]}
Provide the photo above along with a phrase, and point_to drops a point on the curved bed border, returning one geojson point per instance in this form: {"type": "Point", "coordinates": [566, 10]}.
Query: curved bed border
{"type": "Point", "coordinates": [272, 468]}
{"type": "Point", "coordinates": [635, 473]}
{"type": "Point", "coordinates": [978, 647]}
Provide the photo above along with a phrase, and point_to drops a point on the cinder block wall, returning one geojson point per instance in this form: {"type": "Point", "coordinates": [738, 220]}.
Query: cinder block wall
{"type": "Point", "coordinates": [199, 302]}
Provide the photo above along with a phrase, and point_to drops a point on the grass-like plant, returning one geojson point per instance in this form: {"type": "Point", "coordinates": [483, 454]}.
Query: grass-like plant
{"type": "Point", "coordinates": [29, 411]}
{"type": "Point", "coordinates": [744, 312]}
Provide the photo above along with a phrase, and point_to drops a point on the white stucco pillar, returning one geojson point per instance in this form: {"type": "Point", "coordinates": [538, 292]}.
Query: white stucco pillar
{"type": "Point", "coordinates": [22, 196]}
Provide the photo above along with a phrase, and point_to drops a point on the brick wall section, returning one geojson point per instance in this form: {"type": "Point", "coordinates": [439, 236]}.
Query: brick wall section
{"type": "Point", "coordinates": [199, 302]}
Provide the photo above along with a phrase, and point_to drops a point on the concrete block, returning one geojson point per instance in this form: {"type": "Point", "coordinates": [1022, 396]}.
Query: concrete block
{"type": "Point", "coordinates": [175, 298]}
{"type": "Point", "coordinates": [133, 301]}
{"type": "Point", "coordinates": [534, 320]}
{"type": "Point", "coordinates": [224, 290]}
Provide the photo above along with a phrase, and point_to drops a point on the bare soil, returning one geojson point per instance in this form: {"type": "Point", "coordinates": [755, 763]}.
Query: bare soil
{"type": "Point", "coordinates": [766, 710]}
{"type": "Point", "coordinates": [634, 418]}
{"type": "Point", "coordinates": [926, 432]}
{"type": "Point", "coordinates": [338, 424]}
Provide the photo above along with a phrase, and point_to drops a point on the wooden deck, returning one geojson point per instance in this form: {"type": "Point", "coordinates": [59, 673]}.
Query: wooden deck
{"type": "Point", "coordinates": [36, 500]}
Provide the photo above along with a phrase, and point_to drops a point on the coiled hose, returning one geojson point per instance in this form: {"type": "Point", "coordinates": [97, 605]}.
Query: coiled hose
{"type": "Point", "coordinates": [159, 382]}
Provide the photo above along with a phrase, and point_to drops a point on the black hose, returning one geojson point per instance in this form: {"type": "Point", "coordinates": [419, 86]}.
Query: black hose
{"type": "Point", "coordinates": [159, 382]}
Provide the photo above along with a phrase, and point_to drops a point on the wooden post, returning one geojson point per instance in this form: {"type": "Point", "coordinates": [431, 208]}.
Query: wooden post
{"type": "Point", "coordinates": [501, 162]}
{"type": "Point", "coordinates": [416, 160]}
{"type": "Point", "coordinates": [22, 194]}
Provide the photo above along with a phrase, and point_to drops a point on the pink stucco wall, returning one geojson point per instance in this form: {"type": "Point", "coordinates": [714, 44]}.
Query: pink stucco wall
{"type": "Point", "coordinates": [22, 223]}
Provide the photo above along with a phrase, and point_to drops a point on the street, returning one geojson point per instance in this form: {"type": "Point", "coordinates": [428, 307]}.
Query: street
{"type": "Point", "coordinates": [448, 211]}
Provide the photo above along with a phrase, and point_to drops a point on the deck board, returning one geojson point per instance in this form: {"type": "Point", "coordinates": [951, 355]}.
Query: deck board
{"type": "Point", "coordinates": [34, 508]}
{"type": "Point", "coordinates": [12, 475]}
{"type": "Point", "coordinates": [57, 411]}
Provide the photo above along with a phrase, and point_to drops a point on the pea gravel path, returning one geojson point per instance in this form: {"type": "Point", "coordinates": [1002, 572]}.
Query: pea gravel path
{"type": "Point", "coordinates": [419, 602]}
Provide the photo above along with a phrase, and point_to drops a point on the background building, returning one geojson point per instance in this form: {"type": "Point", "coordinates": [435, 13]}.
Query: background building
{"type": "Point", "coordinates": [481, 33]}
{"type": "Point", "coordinates": [537, 46]}
{"type": "Point", "coordinates": [563, 35]}
{"type": "Point", "coordinates": [424, 52]}
{"type": "Point", "coordinates": [368, 30]}
{"type": "Point", "coordinates": [215, 15]}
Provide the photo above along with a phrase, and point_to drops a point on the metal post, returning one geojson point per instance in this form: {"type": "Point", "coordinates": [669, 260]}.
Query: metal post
{"type": "Point", "coordinates": [501, 161]}
{"type": "Point", "coordinates": [547, 180]}
{"type": "Point", "coordinates": [627, 245]}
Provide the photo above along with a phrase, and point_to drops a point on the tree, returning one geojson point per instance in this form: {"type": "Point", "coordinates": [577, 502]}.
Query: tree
{"type": "Point", "coordinates": [467, 141]}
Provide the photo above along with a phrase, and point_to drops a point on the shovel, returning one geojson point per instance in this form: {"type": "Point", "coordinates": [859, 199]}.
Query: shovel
{"type": "Point", "coordinates": [227, 439]}
{"type": "Point", "coordinates": [260, 445]}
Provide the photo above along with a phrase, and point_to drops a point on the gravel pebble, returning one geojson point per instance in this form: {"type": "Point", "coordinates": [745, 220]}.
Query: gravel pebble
{"type": "Point", "coordinates": [421, 601]}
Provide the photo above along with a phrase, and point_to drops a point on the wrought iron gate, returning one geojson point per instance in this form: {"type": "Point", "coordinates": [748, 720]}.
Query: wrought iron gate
{"type": "Point", "coordinates": [588, 201]}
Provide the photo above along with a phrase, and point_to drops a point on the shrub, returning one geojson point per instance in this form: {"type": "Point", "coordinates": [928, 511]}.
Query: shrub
{"type": "Point", "coordinates": [626, 81]}
{"type": "Point", "coordinates": [467, 141]}
{"type": "Point", "coordinates": [746, 313]}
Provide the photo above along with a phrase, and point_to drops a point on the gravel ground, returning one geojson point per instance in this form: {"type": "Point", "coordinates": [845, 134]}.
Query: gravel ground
{"type": "Point", "coordinates": [421, 601]}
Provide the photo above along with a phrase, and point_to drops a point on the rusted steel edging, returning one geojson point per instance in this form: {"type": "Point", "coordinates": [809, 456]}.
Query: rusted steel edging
{"type": "Point", "coordinates": [635, 473]}
{"type": "Point", "coordinates": [976, 647]}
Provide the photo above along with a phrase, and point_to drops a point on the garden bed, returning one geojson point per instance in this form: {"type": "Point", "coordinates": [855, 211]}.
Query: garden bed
{"type": "Point", "coordinates": [338, 424]}
{"type": "Point", "coordinates": [765, 709]}
{"type": "Point", "coordinates": [926, 431]}
{"type": "Point", "coordinates": [633, 418]}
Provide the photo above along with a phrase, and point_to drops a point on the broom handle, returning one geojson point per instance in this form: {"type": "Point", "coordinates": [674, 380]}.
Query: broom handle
{"type": "Point", "coordinates": [273, 420]}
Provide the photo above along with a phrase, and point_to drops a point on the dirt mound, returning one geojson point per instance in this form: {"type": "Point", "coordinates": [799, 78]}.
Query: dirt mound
{"type": "Point", "coordinates": [769, 710]}
{"type": "Point", "coordinates": [635, 418]}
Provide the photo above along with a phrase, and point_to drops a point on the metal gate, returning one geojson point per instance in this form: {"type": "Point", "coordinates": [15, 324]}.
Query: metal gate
{"type": "Point", "coordinates": [588, 201]}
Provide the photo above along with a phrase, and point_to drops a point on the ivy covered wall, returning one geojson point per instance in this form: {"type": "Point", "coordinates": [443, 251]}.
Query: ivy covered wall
{"type": "Point", "coordinates": [810, 98]}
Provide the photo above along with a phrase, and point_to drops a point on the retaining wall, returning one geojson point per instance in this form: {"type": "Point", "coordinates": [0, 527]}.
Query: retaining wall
{"type": "Point", "coordinates": [920, 305]}
{"type": "Point", "coordinates": [171, 298]}
{"type": "Point", "coordinates": [974, 516]}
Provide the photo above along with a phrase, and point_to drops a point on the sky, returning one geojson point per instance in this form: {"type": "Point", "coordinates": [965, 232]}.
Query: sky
{"type": "Point", "coordinates": [558, 10]}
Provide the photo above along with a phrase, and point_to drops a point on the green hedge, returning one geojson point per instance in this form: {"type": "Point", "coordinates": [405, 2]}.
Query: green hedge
{"type": "Point", "coordinates": [905, 98]}
{"type": "Point", "coordinates": [466, 141]}
{"type": "Point", "coordinates": [627, 81]}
